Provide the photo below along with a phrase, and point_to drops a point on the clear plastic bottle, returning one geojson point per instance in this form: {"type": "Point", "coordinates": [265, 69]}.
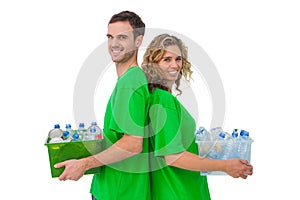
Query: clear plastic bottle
{"type": "Point", "coordinates": [56, 132]}
{"type": "Point", "coordinates": [227, 145]}
{"type": "Point", "coordinates": [244, 145]}
{"type": "Point", "coordinates": [56, 140]}
{"type": "Point", "coordinates": [235, 138]}
{"type": "Point", "coordinates": [69, 128]}
{"type": "Point", "coordinates": [75, 137]}
{"type": "Point", "coordinates": [215, 133]}
{"type": "Point", "coordinates": [202, 134]}
{"type": "Point", "coordinates": [66, 136]}
{"type": "Point", "coordinates": [81, 131]}
{"type": "Point", "coordinates": [94, 132]}
{"type": "Point", "coordinates": [202, 138]}
{"type": "Point", "coordinates": [235, 134]}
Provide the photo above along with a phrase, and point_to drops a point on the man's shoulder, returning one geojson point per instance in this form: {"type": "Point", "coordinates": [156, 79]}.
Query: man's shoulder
{"type": "Point", "coordinates": [135, 72]}
{"type": "Point", "coordinates": [134, 75]}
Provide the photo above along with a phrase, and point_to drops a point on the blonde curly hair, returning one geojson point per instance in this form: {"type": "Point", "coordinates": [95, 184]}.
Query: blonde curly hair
{"type": "Point", "coordinates": [154, 53]}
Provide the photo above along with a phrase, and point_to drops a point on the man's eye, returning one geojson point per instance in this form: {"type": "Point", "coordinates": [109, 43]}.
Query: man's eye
{"type": "Point", "coordinates": [122, 37]}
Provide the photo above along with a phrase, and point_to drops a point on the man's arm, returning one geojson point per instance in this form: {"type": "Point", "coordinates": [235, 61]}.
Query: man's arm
{"type": "Point", "coordinates": [125, 147]}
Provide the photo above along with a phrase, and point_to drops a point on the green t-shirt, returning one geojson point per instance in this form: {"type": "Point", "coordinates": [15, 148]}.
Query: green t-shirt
{"type": "Point", "coordinates": [172, 131]}
{"type": "Point", "coordinates": [126, 112]}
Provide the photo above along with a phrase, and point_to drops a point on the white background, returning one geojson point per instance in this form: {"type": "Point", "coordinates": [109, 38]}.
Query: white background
{"type": "Point", "coordinates": [254, 45]}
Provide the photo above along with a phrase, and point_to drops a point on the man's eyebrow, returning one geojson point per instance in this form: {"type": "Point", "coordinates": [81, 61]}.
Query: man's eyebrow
{"type": "Point", "coordinates": [118, 35]}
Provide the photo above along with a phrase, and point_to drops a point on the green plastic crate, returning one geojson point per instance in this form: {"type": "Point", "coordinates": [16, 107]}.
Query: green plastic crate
{"type": "Point", "coordinates": [62, 151]}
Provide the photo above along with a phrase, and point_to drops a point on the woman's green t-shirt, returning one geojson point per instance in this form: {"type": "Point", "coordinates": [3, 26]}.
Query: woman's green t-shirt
{"type": "Point", "coordinates": [172, 132]}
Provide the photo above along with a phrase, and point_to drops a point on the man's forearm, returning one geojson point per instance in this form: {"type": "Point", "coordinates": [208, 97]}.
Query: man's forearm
{"type": "Point", "coordinates": [124, 148]}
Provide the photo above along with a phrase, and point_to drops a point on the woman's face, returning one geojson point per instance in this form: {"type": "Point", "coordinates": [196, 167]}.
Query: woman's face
{"type": "Point", "coordinates": [170, 64]}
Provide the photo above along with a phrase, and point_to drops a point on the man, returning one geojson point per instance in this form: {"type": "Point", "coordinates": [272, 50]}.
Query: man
{"type": "Point", "coordinates": [124, 172]}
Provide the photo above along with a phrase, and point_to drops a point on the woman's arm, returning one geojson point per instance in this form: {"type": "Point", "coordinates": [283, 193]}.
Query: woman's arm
{"type": "Point", "coordinates": [234, 167]}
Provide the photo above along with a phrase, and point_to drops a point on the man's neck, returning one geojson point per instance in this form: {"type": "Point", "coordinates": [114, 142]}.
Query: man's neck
{"type": "Point", "coordinates": [123, 67]}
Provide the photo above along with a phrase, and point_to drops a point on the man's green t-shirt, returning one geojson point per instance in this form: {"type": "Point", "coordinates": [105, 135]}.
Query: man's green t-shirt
{"type": "Point", "coordinates": [126, 112]}
{"type": "Point", "coordinates": [172, 132]}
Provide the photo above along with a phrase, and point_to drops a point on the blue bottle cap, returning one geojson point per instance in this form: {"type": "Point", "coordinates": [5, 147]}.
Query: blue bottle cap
{"type": "Point", "coordinates": [244, 133]}
{"type": "Point", "coordinates": [66, 133]}
{"type": "Point", "coordinates": [235, 134]}
{"type": "Point", "coordinates": [56, 126]}
{"type": "Point", "coordinates": [94, 123]}
{"type": "Point", "coordinates": [222, 135]}
{"type": "Point", "coordinates": [68, 125]}
{"type": "Point", "coordinates": [75, 136]}
{"type": "Point", "coordinates": [81, 125]}
{"type": "Point", "coordinates": [93, 130]}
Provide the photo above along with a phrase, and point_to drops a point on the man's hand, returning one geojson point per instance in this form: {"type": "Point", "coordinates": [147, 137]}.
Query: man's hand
{"type": "Point", "coordinates": [74, 169]}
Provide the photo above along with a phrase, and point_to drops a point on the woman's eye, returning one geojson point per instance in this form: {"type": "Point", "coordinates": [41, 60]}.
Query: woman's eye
{"type": "Point", "coordinates": [179, 58]}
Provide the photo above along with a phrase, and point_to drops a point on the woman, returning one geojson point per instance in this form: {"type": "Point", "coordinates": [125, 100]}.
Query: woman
{"type": "Point", "coordinates": [174, 162]}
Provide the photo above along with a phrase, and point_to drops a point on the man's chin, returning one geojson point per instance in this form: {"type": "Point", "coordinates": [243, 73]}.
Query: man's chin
{"type": "Point", "coordinates": [116, 58]}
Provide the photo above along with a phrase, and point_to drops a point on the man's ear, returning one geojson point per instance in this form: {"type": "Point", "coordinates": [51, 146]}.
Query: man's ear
{"type": "Point", "coordinates": [138, 41]}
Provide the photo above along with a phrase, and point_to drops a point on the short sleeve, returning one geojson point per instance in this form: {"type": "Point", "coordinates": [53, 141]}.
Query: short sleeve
{"type": "Point", "coordinates": [165, 124]}
{"type": "Point", "coordinates": [129, 111]}
{"type": "Point", "coordinates": [129, 103]}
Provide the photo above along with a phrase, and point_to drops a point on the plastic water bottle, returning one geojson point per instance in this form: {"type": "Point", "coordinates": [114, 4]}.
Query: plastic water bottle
{"type": "Point", "coordinates": [235, 134]}
{"type": "Point", "coordinates": [81, 131]}
{"type": "Point", "coordinates": [227, 145]}
{"type": "Point", "coordinates": [94, 132]}
{"type": "Point", "coordinates": [215, 133]}
{"type": "Point", "coordinates": [202, 134]}
{"type": "Point", "coordinates": [66, 136]}
{"type": "Point", "coordinates": [69, 128]}
{"type": "Point", "coordinates": [56, 140]}
{"type": "Point", "coordinates": [236, 142]}
{"type": "Point", "coordinates": [244, 145]}
{"type": "Point", "coordinates": [56, 132]}
{"type": "Point", "coordinates": [75, 137]}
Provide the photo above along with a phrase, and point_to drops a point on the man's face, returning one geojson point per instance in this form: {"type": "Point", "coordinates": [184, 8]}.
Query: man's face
{"type": "Point", "coordinates": [121, 44]}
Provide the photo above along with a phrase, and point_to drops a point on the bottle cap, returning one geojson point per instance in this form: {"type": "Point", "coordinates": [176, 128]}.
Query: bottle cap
{"type": "Point", "coordinates": [81, 125]}
{"type": "Point", "coordinates": [244, 133]}
{"type": "Point", "coordinates": [75, 136]}
{"type": "Point", "coordinates": [222, 135]}
{"type": "Point", "coordinates": [235, 134]}
{"type": "Point", "coordinates": [66, 133]}
{"type": "Point", "coordinates": [56, 126]}
{"type": "Point", "coordinates": [93, 130]}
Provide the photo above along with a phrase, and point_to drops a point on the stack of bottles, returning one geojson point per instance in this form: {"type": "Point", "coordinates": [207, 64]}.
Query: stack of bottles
{"type": "Point", "coordinates": [93, 132]}
{"type": "Point", "coordinates": [221, 145]}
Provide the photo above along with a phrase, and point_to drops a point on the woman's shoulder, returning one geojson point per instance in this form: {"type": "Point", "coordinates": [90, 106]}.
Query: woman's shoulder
{"type": "Point", "coordinates": [164, 98]}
